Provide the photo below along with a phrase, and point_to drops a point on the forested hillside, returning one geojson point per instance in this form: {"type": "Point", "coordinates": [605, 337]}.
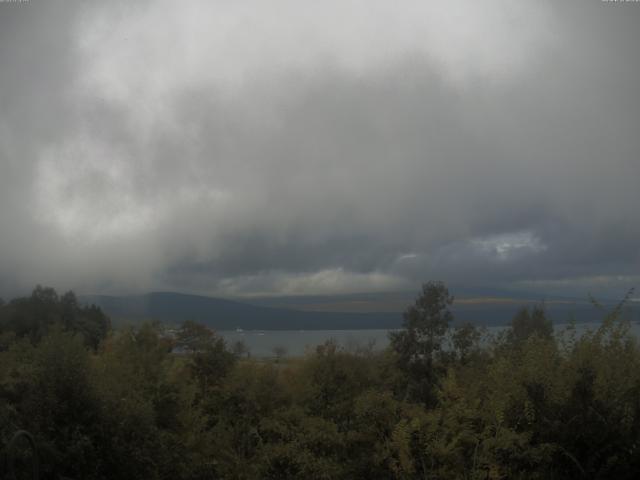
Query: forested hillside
{"type": "Point", "coordinates": [439, 403]}
{"type": "Point", "coordinates": [221, 314]}
{"type": "Point", "coordinates": [340, 312]}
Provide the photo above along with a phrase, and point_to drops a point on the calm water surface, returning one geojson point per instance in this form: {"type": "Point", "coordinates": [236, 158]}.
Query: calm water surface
{"type": "Point", "coordinates": [298, 342]}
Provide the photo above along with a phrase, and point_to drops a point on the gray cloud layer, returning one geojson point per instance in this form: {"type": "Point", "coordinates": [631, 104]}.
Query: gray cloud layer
{"type": "Point", "coordinates": [245, 147]}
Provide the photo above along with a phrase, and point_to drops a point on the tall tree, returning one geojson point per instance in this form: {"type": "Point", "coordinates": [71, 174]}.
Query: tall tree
{"type": "Point", "coordinates": [419, 344]}
{"type": "Point", "coordinates": [210, 360]}
{"type": "Point", "coordinates": [528, 322]}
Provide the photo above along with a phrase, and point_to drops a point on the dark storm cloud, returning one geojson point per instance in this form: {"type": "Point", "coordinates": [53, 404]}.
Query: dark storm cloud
{"type": "Point", "coordinates": [157, 145]}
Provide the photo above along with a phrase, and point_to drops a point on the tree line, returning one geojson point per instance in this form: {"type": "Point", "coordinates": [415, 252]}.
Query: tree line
{"type": "Point", "coordinates": [441, 402]}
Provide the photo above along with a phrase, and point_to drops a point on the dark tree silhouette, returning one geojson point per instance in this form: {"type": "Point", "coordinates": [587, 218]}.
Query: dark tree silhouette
{"type": "Point", "coordinates": [419, 344]}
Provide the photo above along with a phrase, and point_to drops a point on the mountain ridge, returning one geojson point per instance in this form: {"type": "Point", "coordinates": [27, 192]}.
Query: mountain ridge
{"type": "Point", "coordinates": [227, 314]}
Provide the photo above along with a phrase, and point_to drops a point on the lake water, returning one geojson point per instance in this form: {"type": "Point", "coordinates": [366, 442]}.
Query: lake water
{"type": "Point", "coordinates": [298, 342]}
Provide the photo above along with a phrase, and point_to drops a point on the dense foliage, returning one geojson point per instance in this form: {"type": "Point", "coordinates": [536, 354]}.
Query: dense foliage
{"type": "Point", "coordinates": [439, 403]}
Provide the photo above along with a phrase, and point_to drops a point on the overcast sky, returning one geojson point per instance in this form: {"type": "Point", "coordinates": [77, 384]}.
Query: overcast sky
{"type": "Point", "coordinates": [238, 147]}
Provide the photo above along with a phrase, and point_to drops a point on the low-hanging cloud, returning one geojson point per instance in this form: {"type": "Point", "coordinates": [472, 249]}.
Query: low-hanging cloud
{"type": "Point", "coordinates": [300, 147]}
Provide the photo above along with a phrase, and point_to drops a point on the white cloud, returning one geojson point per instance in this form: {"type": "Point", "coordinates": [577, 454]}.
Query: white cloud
{"type": "Point", "coordinates": [142, 53]}
{"type": "Point", "coordinates": [84, 189]}
{"type": "Point", "coordinates": [506, 246]}
{"type": "Point", "coordinates": [87, 191]}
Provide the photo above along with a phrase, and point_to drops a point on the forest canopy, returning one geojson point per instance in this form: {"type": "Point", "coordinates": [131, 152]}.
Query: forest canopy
{"type": "Point", "coordinates": [441, 402]}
